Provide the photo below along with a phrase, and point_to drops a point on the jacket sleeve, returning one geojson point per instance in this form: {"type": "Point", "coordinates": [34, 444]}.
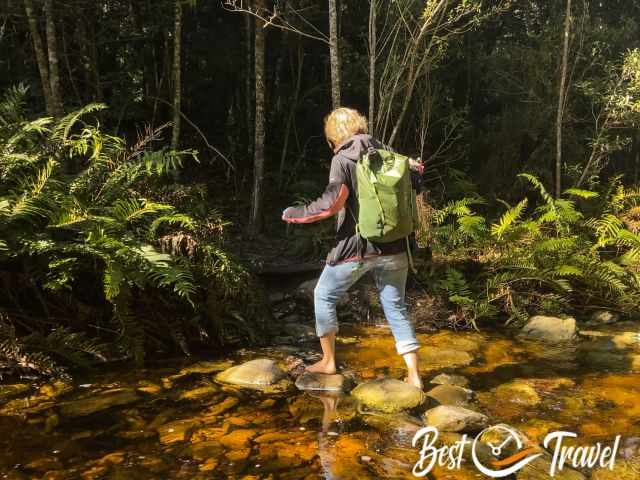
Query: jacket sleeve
{"type": "Point", "coordinates": [330, 202]}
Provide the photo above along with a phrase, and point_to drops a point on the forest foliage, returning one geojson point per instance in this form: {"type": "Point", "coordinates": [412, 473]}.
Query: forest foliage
{"type": "Point", "coordinates": [137, 137]}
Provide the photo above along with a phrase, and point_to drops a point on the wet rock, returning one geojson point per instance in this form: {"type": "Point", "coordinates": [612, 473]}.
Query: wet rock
{"type": "Point", "coordinates": [200, 393]}
{"type": "Point", "coordinates": [455, 419]}
{"type": "Point", "coordinates": [551, 329]}
{"type": "Point", "coordinates": [227, 404]}
{"type": "Point", "coordinates": [209, 465]}
{"type": "Point", "coordinates": [321, 382]}
{"type": "Point", "coordinates": [99, 402]}
{"type": "Point", "coordinates": [8, 392]}
{"type": "Point", "coordinates": [255, 373]}
{"type": "Point", "coordinates": [178, 431]}
{"type": "Point", "coordinates": [238, 439]}
{"type": "Point", "coordinates": [154, 464]}
{"type": "Point", "coordinates": [204, 450]}
{"type": "Point", "coordinates": [435, 358]}
{"type": "Point", "coordinates": [450, 379]}
{"type": "Point", "coordinates": [115, 458]}
{"type": "Point", "coordinates": [239, 455]}
{"type": "Point", "coordinates": [304, 409]}
{"type": "Point", "coordinates": [603, 317]}
{"type": "Point", "coordinates": [149, 388]}
{"type": "Point", "coordinates": [398, 428]}
{"type": "Point", "coordinates": [273, 437]}
{"type": "Point", "coordinates": [388, 395]}
{"type": "Point", "coordinates": [627, 469]}
{"type": "Point", "coordinates": [520, 392]}
{"type": "Point", "coordinates": [56, 389]}
{"type": "Point", "coordinates": [204, 368]}
{"type": "Point", "coordinates": [44, 464]}
{"type": "Point", "coordinates": [451, 395]}
{"type": "Point", "coordinates": [539, 469]}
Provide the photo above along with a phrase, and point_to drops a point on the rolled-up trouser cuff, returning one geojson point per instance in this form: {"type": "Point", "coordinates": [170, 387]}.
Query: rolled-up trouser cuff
{"type": "Point", "coordinates": [407, 346]}
{"type": "Point", "coordinates": [324, 330]}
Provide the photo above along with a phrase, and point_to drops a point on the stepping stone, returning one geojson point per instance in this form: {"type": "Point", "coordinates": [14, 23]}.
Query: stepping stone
{"type": "Point", "coordinates": [450, 379]}
{"type": "Point", "coordinates": [388, 395]}
{"type": "Point", "coordinates": [255, 373]}
{"type": "Point", "coordinates": [451, 395]}
{"type": "Point", "coordinates": [448, 418]}
{"type": "Point", "coordinates": [320, 382]}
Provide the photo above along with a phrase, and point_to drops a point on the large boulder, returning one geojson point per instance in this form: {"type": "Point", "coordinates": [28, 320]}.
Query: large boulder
{"type": "Point", "coordinates": [448, 418]}
{"type": "Point", "coordinates": [258, 373]}
{"type": "Point", "coordinates": [388, 395]}
{"type": "Point", "coordinates": [550, 329]}
{"type": "Point", "coordinates": [451, 395]}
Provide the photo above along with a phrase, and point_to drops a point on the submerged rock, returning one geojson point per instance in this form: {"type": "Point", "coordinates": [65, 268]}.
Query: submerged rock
{"type": "Point", "coordinates": [178, 431]}
{"type": "Point", "coordinates": [200, 393]}
{"type": "Point", "coordinates": [99, 402]}
{"type": "Point", "coordinates": [519, 391]}
{"type": "Point", "coordinates": [451, 395]}
{"type": "Point", "coordinates": [321, 382]}
{"type": "Point", "coordinates": [204, 368]}
{"type": "Point", "coordinates": [260, 372]}
{"type": "Point", "coordinates": [539, 469]}
{"type": "Point", "coordinates": [388, 395]}
{"type": "Point", "coordinates": [551, 329]}
{"type": "Point", "coordinates": [450, 379]}
{"type": "Point", "coordinates": [435, 358]}
{"type": "Point", "coordinates": [11, 391]}
{"type": "Point", "coordinates": [447, 418]}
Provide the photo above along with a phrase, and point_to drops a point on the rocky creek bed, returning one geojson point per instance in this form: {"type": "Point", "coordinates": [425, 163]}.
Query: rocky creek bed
{"type": "Point", "coordinates": [185, 420]}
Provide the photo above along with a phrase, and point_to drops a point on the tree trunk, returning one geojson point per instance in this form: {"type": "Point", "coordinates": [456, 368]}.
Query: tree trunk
{"type": "Point", "coordinates": [248, 88]}
{"type": "Point", "coordinates": [561, 99]}
{"type": "Point", "coordinates": [255, 225]}
{"type": "Point", "coordinates": [372, 65]}
{"type": "Point", "coordinates": [41, 56]}
{"type": "Point", "coordinates": [177, 75]}
{"type": "Point", "coordinates": [334, 54]}
{"type": "Point", "coordinates": [54, 69]}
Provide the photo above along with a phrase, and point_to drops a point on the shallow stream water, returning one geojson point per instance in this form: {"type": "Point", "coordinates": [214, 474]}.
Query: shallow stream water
{"type": "Point", "coordinates": [174, 421]}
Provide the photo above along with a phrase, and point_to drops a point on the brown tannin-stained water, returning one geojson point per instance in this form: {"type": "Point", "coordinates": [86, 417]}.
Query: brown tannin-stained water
{"type": "Point", "coordinates": [175, 421]}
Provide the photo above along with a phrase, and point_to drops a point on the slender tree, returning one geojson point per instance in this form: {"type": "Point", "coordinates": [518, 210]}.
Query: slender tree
{"type": "Point", "coordinates": [562, 95]}
{"type": "Point", "coordinates": [41, 56]}
{"type": "Point", "coordinates": [54, 59]}
{"type": "Point", "coordinates": [372, 64]}
{"type": "Point", "coordinates": [255, 226]}
{"type": "Point", "coordinates": [249, 60]}
{"type": "Point", "coordinates": [334, 54]}
{"type": "Point", "coordinates": [177, 74]}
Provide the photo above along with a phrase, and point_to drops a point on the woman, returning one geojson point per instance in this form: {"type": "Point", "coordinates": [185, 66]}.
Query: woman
{"type": "Point", "coordinates": [353, 255]}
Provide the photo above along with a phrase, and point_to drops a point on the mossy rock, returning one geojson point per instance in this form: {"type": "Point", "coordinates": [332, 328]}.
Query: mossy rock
{"type": "Point", "coordinates": [388, 395]}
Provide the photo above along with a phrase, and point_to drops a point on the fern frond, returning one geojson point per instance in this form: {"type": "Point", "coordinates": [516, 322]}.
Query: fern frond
{"type": "Point", "coordinates": [508, 219]}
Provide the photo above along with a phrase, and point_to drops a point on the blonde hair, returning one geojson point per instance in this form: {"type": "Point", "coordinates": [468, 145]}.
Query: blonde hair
{"type": "Point", "coordinates": [342, 124]}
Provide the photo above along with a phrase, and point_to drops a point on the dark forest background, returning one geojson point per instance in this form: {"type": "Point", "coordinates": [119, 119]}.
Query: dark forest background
{"type": "Point", "coordinates": [214, 125]}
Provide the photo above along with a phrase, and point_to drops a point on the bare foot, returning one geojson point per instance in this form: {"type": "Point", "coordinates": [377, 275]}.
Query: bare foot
{"type": "Point", "coordinates": [415, 381]}
{"type": "Point", "coordinates": [323, 366]}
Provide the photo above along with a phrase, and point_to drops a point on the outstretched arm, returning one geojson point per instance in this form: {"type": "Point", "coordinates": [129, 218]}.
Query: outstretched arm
{"type": "Point", "coordinates": [330, 203]}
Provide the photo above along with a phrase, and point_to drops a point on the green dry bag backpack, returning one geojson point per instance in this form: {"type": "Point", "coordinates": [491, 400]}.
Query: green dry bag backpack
{"type": "Point", "coordinates": [385, 197]}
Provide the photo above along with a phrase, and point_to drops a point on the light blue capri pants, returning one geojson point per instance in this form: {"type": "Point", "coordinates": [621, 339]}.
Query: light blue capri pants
{"type": "Point", "coordinates": [390, 273]}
